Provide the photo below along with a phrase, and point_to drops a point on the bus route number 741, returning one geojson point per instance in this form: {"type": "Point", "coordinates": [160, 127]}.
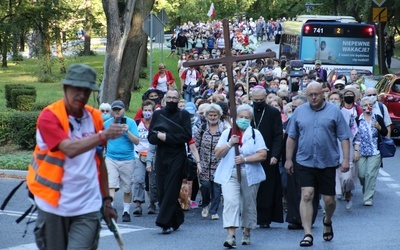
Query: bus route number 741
{"type": "Point", "coordinates": [318, 30]}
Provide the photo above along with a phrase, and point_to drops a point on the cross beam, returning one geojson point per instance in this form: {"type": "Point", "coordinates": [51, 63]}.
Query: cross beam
{"type": "Point", "coordinates": [228, 60]}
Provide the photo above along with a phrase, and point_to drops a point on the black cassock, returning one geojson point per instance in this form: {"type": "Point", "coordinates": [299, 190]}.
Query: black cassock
{"type": "Point", "coordinates": [269, 198]}
{"type": "Point", "coordinates": [170, 159]}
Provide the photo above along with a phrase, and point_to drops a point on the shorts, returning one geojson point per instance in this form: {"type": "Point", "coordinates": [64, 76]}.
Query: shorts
{"type": "Point", "coordinates": [322, 179]}
{"type": "Point", "coordinates": [120, 174]}
{"type": "Point", "coordinates": [59, 232]}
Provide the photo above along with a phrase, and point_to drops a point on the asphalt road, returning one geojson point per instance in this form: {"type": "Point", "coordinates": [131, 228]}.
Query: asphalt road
{"type": "Point", "coordinates": [361, 227]}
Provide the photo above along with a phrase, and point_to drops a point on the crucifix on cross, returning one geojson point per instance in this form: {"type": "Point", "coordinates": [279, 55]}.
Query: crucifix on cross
{"type": "Point", "coordinates": [228, 60]}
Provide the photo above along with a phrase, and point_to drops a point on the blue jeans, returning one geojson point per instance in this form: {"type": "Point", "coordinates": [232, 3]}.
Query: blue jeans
{"type": "Point", "coordinates": [188, 96]}
{"type": "Point", "coordinates": [210, 193]}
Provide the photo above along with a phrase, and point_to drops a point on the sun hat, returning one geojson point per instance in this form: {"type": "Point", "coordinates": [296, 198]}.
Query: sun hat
{"type": "Point", "coordinates": [81, 75]}
{"type": "Point", "coordinates": [351, 89]}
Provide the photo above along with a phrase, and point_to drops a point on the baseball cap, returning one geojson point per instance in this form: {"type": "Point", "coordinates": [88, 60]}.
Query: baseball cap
{"type": "Point", "coordinates": [81, 75]}
{"type": "Point", "coordinates": [339, 81]}
{"type": "Point", "coordinates": [118, 104]}
{"type": "Point", "coordinates": [318, 62]}
{"type": "Point", "coordinates": [190, 107]}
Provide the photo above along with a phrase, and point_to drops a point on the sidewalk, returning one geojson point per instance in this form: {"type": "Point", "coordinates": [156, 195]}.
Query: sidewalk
{"type": "Point", "coordinates": [395, 65]}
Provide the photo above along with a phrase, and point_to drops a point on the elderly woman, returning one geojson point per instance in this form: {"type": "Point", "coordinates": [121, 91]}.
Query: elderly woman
{"type": "Point", "coordinates": [163, 79]}
{"type": "Point", "coordinates": [206, 140]}
{"type": "Point", "coordinates": [240, 206]}
{"type": "Point", "coordinates": [370, 127]}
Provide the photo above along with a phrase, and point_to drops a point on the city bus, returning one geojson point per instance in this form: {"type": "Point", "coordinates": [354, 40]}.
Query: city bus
{"type": "Point", "coordinates": [338, 42]}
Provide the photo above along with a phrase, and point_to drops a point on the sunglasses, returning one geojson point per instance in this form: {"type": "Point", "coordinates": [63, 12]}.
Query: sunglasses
{"type": "Point", "coordinates": [104, 111]}
{"type": "Point", "coordinates": [372, 95]}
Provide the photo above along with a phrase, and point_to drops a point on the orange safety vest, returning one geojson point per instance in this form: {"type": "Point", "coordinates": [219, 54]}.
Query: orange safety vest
{"type": "Point", "coordinates": [45, 171]}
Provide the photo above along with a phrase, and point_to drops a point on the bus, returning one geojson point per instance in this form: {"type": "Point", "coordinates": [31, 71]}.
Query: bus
{"type": "Point", "coordinates": [338, 42]}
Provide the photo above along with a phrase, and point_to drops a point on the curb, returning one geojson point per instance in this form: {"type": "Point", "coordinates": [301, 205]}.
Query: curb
{"type": "Point", "coordinates": [15, 174]}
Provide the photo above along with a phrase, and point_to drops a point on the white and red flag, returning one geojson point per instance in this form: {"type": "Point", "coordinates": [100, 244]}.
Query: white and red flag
{"type": "Point", "coordinates": [211, 11]}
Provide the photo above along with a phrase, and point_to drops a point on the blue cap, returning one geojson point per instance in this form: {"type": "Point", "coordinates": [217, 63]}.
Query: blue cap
{"type": "Point", "coordinates": [190, 107]}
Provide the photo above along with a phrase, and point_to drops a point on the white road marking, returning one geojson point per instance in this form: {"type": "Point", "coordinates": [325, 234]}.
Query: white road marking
{"type": "Point", "coordinates": [30, 246]}
{"type": "Point", "coordinates": [385, 179]}
{"type": "Point", "coordinates": [393, 185]}
{"type": "Point", "coordinates": [383, 172]}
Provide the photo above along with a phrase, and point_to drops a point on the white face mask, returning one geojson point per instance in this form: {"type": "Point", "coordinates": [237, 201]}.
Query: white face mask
{"type": "Point", "coordinates": [239, 93]}
{"type": "Point", "coordinates": [283, 87]}
{"type": "Point", "coordinates": [212, 122]}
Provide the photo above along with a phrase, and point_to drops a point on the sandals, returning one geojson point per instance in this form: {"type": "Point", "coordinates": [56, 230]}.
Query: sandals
{"type": "Point", "coordinates": [307, 243]}
{"type": "Point", "coordinates": [328, 236]}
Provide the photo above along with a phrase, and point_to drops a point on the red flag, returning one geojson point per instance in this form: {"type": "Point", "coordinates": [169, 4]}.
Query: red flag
{"type": "Point", "coordinates": [211, 11]}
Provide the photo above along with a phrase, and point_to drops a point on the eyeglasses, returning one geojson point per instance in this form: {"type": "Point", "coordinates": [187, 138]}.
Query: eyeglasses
{"type": "Point", "coordinates": [372, 95]}
{"type": "Point", "coordinates": [173, 98]}
{"type": "Point", "coordinates": [368, 105]}
{"type": "Point", "coordinates": [116, 109]}
{"type": "Point", "coordinates": [312, 95]}
{"type": "Point", "coordinates": [104, 111]}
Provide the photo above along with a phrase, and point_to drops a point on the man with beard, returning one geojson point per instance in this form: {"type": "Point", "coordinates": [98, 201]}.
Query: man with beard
{"type": "Point", "coordinates": [170, 129]}
{"type": "Point", "coordinates": [267, 119]}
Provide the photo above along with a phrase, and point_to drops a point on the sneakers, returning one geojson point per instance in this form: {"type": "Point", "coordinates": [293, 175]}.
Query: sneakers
{"type": "Point", "coordinates": [166, 230]}
{"type": "Point", "coordinates": [230, 241]}
{"type": "Point", "coordinates": [126, 217]}
{"type": "Point", "coordinates": [349, 204]}
{"type": "Point", "coordinates": [204, 212]}
{"type": "Point", "coordinates": [368, 202]}
{"type": "Point", "coordinates": [246, 239]}
{"type": "Point", "coordinates": [214, 217]}
{"type": "Point", "coordinates": [193, 204]}
{"type": "Point", "coordinates": [151, 209]}
{"type": "Point", "coordinates": [137, 211]}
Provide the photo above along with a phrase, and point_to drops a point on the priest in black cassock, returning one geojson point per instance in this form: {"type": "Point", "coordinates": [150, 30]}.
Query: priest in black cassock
{"type": "Point", "coordinates": [170, 129]}
{"type": "Point", "coordinates": [267, 120]}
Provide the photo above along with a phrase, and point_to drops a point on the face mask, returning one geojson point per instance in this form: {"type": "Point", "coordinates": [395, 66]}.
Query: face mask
{"type": "Point", "coordinates": [243, 123]}
{"type": "Point", "coordinates": [156, 100]}
{"type": "Point", "coordinates": [289, 115]}
{"type": "Point", "coordinates": [258, 105]}
{"type": "Point", "coordinates": [373, 98]}
{"type": "Point", "coordinates": [106, 116]}
{"type": "Point", "coordinates": [147, 115]}
{"type": "Point", "coordinates": [283, 87]}
{"type": "Point", "coordinates": [337, 104]}
{"type": "Point", "coordinates": [171, 106]}
{"type": "Point", "coordinates": [239, 93]}
{"type": "Point", "coordinates": [226, 89]}
{"type": "Point", "coordinates": [368, 109]}
{"type": "Point", "coordinates": [212, 122]}
{"type": "Point", "coordinates": [349, 99]}
{"type": "Point", "coordinates": [255, 74]}
{"type": "Point", "coordinates": [274, 89]}
{"type": "Point", "coordinates": [269, 78]}
{"type": "Point", "coordinates": [218, 54]}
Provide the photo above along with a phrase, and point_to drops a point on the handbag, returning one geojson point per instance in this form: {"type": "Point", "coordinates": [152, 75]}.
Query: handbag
{"type": "Point", "coordinates": [190, 168]}
{"type": "Point", "coordinates": [387, 147]}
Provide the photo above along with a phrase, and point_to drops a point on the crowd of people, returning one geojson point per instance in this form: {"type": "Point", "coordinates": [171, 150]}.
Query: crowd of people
{"type": "Point", "coordinates": [296, 140]}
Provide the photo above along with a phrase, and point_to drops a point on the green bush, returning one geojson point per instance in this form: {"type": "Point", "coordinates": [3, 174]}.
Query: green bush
{"type": "Point", "coordinates": [23, 128]}
{"type": "Point", "coordinates": [9, 87]}
{"type": "Point", "coordinates": [17, 92]}
{"type": "Point", "coordinates": [39, 106]}
{"type": "Point", "coordinates": [5, 128]}
{"type": "Point", "coordinates": [24, 102]}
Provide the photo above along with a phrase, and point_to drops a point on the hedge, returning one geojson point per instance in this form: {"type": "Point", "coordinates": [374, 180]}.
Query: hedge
{"type": "Point", "coordinates": [24, 102]}
{"type": "Point", "coordinates": [5, 128]}
{"type": "Point", "coordinates": [17, 92]}
{"type": "Point", "coordinates": [23, 128]}
{"type": "Point", "coordinates": [9, 87]}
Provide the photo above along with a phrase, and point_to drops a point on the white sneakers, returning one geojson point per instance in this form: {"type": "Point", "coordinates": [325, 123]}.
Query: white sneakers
{"type": "Point", "coordinates": [205, 211]}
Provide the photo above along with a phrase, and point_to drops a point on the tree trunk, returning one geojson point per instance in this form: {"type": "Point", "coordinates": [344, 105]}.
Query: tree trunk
{"type": "Point", "coordinates": [88, 27]}
{"type": "Point", "coordinates": [116, 42]}
{"type": "Point", "coordinates": [133, 52]}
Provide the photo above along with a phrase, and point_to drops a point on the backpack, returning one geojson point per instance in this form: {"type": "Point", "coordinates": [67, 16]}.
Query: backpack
{"type": "Point", "coordinates": [388, 46]}
{"type": "Point", "coordinates": [210, 42]}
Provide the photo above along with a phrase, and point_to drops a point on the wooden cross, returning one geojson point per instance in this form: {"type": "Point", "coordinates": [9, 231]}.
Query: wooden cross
{"type": "Point", "coordinates": [228, 60]}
